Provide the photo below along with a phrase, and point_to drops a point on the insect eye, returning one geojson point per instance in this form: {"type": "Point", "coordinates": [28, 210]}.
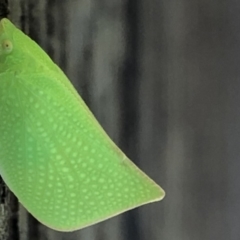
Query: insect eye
{"type": "Point", "coordinates": [7, 46]}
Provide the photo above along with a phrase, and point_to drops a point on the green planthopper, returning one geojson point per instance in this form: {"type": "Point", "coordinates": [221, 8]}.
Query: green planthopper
{"type": "Point", "coordinates": [54, 155]}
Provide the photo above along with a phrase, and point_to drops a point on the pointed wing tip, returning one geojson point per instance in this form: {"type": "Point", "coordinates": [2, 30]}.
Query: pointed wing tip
{"type": "Point", "coordinates": [160, 194]}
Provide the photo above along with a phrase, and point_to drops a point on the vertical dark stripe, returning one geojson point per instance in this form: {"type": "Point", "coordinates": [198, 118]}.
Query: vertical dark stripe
{"type": "Point", "coordinates": [84, 73]}
{"type": "Point", "coordinates": [13, 229]}
{"type": "Point", "coordinates": [23, 16]}
{"type": "Point", "coordinates": [3, 217]}
{"type": "Point", "coordinates": [33, 227]}
{"type": "Point", "coordinates": [33, 19]}
{"type": "Point", "coordinates": [4, 11]}
{"type": "Point", "coordinates": [129, 90]}
{"type": "Point", "coordinates": [63, 34]}
{"type": "Point", "coordinates": [129, 85]}
{"type": "Point", "coordinates": [86, 69]}
{"type": "Point", "coordinates": [50, 26]}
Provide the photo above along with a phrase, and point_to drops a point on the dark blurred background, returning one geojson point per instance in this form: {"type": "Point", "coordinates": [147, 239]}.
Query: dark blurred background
{"type": "Point", "coordinates": [163, 79]}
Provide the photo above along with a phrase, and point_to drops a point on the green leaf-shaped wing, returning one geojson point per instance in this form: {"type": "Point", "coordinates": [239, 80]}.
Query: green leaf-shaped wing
{"type": "Point", "coordinates": [54, 155]}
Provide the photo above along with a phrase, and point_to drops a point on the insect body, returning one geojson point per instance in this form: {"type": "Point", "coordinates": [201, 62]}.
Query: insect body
{"type": "Point", "coordinates": [54, 155]}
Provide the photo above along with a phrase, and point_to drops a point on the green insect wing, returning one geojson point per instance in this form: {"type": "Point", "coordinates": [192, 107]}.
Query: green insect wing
{"type": "Point", "coordinates": [54, 155]}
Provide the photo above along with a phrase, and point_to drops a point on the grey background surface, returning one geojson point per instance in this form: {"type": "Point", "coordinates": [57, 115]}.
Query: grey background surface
{"type": "Point", "coordinates": [162, 77]}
